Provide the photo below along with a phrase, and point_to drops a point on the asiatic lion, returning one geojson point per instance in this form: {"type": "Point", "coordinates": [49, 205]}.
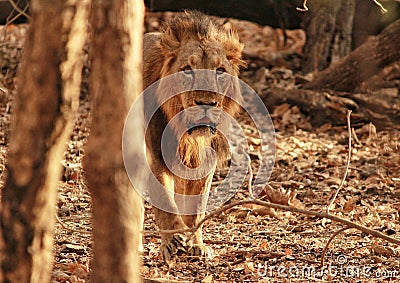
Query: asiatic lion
{"type": "Point", "coordinates": [188, 42]}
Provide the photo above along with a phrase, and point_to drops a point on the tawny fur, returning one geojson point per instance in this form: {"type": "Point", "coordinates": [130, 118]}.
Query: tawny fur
{"type": "Point", "coordinates": [191, 38]}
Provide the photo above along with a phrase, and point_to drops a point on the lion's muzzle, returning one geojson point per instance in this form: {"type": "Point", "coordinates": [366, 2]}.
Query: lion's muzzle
{"type": "Point", "coordinates": [203, 115]}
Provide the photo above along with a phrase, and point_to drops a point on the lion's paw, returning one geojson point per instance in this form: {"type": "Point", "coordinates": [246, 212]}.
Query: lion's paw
{"type": "Point", "coordinates": [203, 251]}
{"type": "Point", "coordinates": [174, 245]}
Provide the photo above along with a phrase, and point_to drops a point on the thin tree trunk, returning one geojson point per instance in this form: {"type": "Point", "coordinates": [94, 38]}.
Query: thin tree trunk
{"type": "Point", "coordinates": [116, 51]}
{"type": "Point", "coordinates": [364, 62]}
{"type": "Point", "coordinates": [328, 26]}
{"type": "Point", "coordinates": [42, 122]}
{"type": "Point", "coordinates": [344, 26]}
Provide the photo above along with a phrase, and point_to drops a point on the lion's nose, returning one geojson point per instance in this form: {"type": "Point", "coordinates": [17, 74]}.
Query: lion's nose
{"type": "Point", "coordinates": [206, 103]}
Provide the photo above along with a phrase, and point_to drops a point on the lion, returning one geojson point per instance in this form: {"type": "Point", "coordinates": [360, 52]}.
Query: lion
{"type": "Point", "coordinates": [189, 42]}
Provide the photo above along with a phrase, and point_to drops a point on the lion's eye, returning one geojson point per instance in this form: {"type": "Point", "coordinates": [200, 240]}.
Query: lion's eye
{"type": "Point", "coordinates": [188, 70]}
{"type": "Point", "coordinates": [220, 70]}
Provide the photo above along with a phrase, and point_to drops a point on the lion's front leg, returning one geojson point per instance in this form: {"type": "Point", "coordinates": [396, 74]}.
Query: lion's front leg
{"type": "Point", "coordinates": [171, 244]}
{"type": "Point", "coordinates": [197, 246]}
{"type": "Point", "coordinates": [196, 187]}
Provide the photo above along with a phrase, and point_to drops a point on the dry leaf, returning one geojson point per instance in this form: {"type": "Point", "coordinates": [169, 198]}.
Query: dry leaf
{"type": "Point", "coordinates": [208, 279]}
{"type": "Point", "coordinates": [264, 246]}
{"type": "Point", "coordinates": [333, 181]}
{"type": "Point", "coordinates": [260, 210]}
{"type": "Point", "coordinates": [281, 196]}
{"type": "Point", "coordinates": [288, 252]}
{"type": "Point", "coordinates": [265, 211]}
{"type": "Point", "coordinates": [381, 250]}
{"type": "Point", "coordinates": [61, 276]}
{"type": "Point", "coordinates": [254, 141]}
{"type": "Point", "coordinates": [73, 266]}
{"type": "Point", "coordinates": [350, 205]}
{"type": "Point", "coordinates": [324, 128]}
{"type": "Point", "coordinates": [280, 110]}
{"type": "Point", "coordinates": [249, 267]}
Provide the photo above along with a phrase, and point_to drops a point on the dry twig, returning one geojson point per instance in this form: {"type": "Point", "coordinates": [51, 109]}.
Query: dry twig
{"type": "Point", "coordinates": [20, 12]}
{"type": "Point", "coordinates": [4, 90]}
{"type": "Point", "coordinates": [249, 184]}
{"type": "Point", "coordinates": [383, 10]}
{"type": "Point", "coordinates": [329, 241]}
{"type": "Point", "coordinates": [304, 8]}
{"type": "Point", "coordinates": [347, 163]}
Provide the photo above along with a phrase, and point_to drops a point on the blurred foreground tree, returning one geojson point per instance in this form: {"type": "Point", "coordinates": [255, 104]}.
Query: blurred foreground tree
{"type": "Point", "coordinates": [41, 124]}
{"type": "Point", "coordinates": [115, 82]}
{"type": "Point", "coordinates": [43, 116]}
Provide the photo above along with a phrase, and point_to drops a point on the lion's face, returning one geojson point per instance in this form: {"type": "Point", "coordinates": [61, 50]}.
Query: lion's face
{"type": "Point", "coordinates": [212, 93]}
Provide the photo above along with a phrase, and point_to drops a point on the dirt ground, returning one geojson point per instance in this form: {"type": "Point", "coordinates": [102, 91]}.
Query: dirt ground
{"type": "Point", "coordinates": [252, 243]}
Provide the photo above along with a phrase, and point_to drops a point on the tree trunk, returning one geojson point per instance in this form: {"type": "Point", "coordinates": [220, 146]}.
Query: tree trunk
{"type": "Point", "coordinates": [364, 62]}
{"type": "Point", "coordinates": [343, 31]}
{"type": "Point", "coordinates": [338, 83]}
{"type": "Point", "coordinates": [116, 54]}
{"type": "Point", "coordinates": [365, 21]}
{"type": "Point", "coordinates": [328, 26]}
{"type": "Point", "coordinates": [42, 122]}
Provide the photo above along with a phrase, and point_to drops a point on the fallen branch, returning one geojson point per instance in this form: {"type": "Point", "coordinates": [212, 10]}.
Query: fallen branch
{"type": "Point", "coordinates": [343, 221]}
{"type": "Point", "coordinates": [323, 107]}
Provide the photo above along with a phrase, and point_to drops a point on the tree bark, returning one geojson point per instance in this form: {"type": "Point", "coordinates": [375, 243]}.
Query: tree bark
{"type": "Point", "coordinates": [383, 110]}
{"type": "Point", "coordinates": [364, 62]}
{"type": "Point", "coordinates": [343, 31]}
{"type": "Point", "coordinates": [115, 81]}
{"type": "Point", "coordinates": [365, 22]}
{"type": "Point", "coordinates": [328, 26]}
{"type": "Point", "coordinates": [42, 122]}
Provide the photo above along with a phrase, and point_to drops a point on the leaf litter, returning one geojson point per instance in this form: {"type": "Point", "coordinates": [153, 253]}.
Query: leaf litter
{"type": "Point", "coordinates": [252, 244]}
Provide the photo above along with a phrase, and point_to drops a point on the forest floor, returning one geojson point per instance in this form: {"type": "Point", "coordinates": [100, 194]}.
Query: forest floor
{"type": "Point", "coordinates": [252, 243]}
